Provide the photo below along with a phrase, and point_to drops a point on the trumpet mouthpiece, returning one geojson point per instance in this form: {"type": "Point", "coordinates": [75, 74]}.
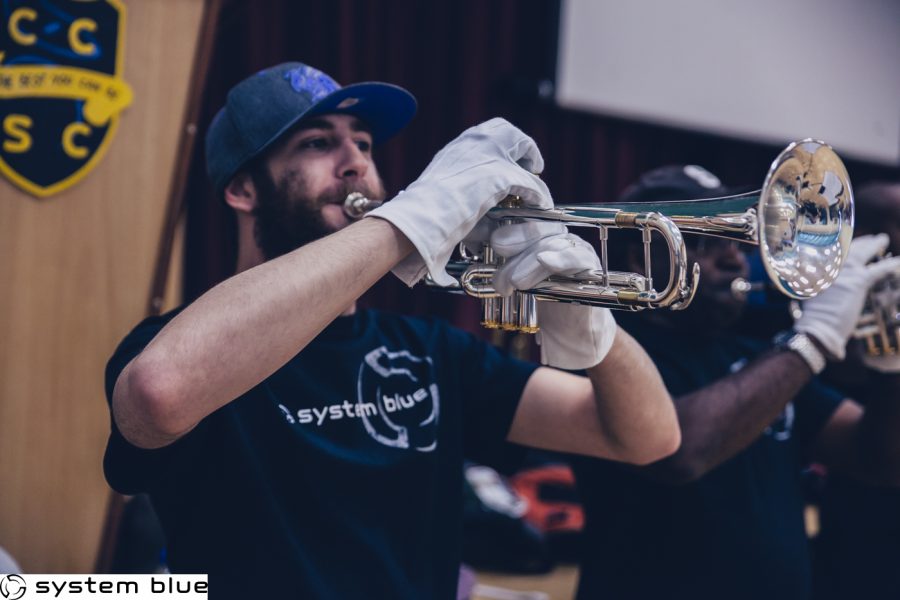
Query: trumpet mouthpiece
{"type": "Point", "coordinates": [356, 205]}
{"type": "Point", "coordinates": [740, 287]}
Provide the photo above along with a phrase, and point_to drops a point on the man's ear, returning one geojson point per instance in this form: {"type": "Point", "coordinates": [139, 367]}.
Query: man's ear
{"type": "Point", "coordinates": [240, 193]}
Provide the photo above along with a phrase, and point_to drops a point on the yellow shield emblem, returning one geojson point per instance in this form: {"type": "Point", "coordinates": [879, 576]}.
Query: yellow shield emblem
{"type": "Point", "coordinates": [61, 90]}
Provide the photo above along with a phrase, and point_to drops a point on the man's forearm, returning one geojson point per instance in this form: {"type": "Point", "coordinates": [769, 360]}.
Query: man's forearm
{"type": "Point", "coordinates": [621, 411]}
{"type": "Point", "coordinates": [633, 406]}
{"type": "Point", "coordinates": [247, 327]}
{"type": "Point", "coordinates": [725, 417]}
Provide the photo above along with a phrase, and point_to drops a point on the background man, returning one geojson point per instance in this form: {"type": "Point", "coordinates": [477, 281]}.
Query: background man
{"type": "Point", "coordinates": [723, 516]}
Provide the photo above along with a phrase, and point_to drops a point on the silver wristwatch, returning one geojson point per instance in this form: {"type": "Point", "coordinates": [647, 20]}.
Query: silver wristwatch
{"type": "Point", "coordinates": [804, 346]}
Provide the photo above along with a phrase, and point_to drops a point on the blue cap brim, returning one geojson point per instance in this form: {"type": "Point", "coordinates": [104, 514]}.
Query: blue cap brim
{"type": "Point", "coordinates": [385, 108]}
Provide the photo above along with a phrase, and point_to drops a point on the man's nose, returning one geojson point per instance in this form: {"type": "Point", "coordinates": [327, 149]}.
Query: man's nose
{"type": "Point", "coordinates": [353, 163]}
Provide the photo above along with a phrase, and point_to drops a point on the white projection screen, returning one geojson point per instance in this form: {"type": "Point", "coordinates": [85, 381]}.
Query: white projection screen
{"type": "Point", "coordinates": [768, 71]}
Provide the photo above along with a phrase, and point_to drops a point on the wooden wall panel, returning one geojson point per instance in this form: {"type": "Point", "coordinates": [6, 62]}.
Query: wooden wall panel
{"type": "Point", "coordinates": [75, 272]}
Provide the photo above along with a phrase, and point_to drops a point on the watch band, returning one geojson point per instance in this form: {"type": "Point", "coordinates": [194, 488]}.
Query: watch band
{"type": "Point", "coordinates": [801, 344]}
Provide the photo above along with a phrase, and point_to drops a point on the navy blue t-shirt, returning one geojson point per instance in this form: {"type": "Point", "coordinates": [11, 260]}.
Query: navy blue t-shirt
{"type": "Point", "coordinates": [340, 476]}
{"type": "Point", "coordinates": [736, 533]}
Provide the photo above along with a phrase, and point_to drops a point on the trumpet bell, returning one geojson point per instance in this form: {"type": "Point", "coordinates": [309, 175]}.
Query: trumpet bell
{"type": "Point", "coordinates": [805, 219]}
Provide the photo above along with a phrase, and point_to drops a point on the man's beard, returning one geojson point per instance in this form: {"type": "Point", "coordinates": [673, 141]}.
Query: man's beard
{"type": "Point", "coordinates": [287, 217]}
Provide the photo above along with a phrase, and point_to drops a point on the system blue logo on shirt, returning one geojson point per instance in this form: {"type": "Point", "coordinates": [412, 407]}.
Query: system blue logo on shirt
{"type": "Point", "coordinates": [406, 400]}
{"type": "Point", "coordinates": [397, 402]}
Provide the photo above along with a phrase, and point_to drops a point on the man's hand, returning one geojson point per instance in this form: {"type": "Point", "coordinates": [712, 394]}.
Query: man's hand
{"type": "Point", "coordinates": [571, 336]}
{"type": "Point", "coordinates": [468, 177]}
{"type": "Point", "coordinates": [831, 316]}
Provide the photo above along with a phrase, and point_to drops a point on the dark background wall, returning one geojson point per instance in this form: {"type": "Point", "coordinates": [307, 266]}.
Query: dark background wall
{"type": "Point", "coordinates": [466, 61]}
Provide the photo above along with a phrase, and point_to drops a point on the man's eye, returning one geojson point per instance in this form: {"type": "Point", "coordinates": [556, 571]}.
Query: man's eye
{"type": "Point", "coordinates": [314, 143]}
{"type": "Point", "coordinates": [364, 145]}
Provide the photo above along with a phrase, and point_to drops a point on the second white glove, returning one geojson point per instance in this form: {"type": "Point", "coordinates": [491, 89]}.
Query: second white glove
{"type": "Point", "coordinates": [831, 316]}
{"type": "Point", "coordinates": [571, 336]}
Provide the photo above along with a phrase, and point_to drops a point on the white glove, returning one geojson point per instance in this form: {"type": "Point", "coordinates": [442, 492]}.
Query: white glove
{"type": "Point", "coordinates": [831, 316]}
{"type": "Point", "coordinates": [509, 240]}
{"type": "Point", "coordinates": [571, 336]}
{"type": "Point", "coordinates": [468, 177]}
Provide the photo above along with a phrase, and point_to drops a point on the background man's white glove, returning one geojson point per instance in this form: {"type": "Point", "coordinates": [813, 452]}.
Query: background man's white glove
{"type": "Point", "coordinates": [468, 177]}
{"type": "Point", "coordinates": [571, 336]}
{"type": "Point", "coordinates": [831, 316]}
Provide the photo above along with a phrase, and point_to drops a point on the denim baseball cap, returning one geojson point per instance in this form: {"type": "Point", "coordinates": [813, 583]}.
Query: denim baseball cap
{"type": "Point", "coordinates": [262, 108]}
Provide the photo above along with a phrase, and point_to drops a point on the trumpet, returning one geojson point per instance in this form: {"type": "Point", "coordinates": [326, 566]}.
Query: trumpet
{"type": "Point", "coordinates": [801, 220]}
{"type": "Point", "coordinates": [879, 324]}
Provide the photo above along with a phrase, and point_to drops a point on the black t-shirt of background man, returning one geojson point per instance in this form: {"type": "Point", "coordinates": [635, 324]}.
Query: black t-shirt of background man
{"type": "Point", "coordinates": [736, 533]}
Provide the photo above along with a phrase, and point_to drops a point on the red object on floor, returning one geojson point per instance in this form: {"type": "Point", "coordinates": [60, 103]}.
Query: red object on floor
{"type": "Point", "coordinates": [552, 498]}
